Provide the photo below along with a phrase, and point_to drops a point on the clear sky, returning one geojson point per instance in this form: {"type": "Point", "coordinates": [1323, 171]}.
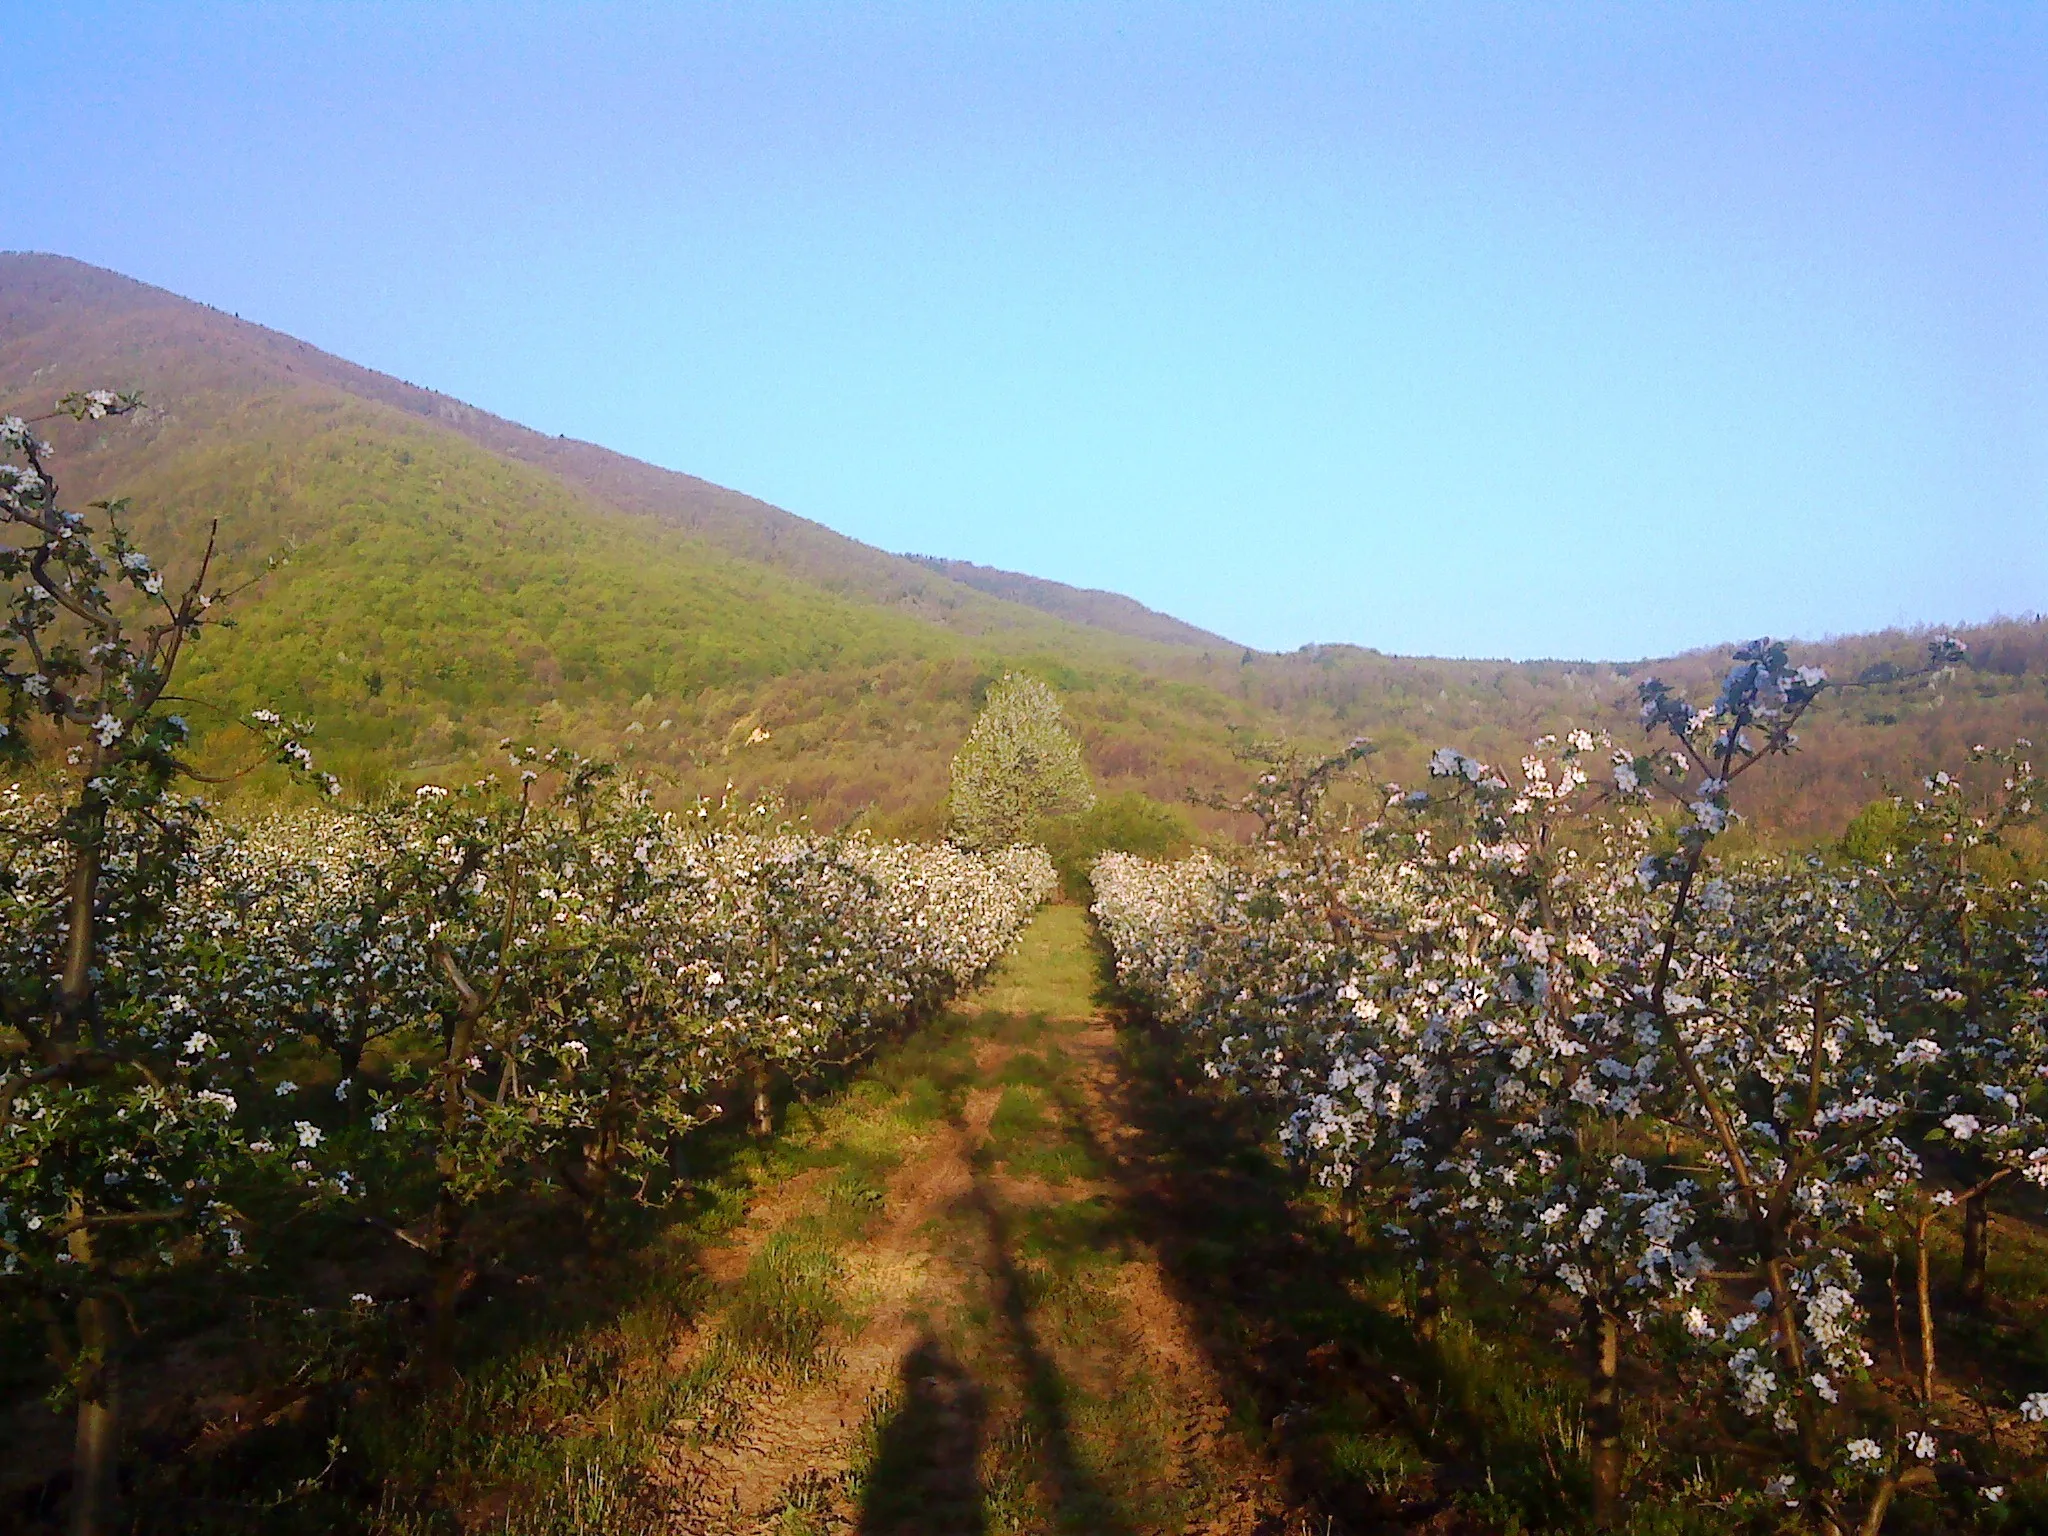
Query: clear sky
{"type": "Point", "coordinates": [1522, 330]}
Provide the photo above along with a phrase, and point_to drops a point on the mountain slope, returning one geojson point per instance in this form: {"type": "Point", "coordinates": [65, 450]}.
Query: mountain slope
{"type": "Point", "coordinates": [1083, 605]}
{"type": "Point", "coordinates": [53, 308]}
{"type": "Point", "coordinates": [454, 577]}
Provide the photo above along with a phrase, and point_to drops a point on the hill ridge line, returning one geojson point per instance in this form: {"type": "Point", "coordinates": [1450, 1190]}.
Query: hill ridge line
{"type": "Point", "coordinates": [736, 521]}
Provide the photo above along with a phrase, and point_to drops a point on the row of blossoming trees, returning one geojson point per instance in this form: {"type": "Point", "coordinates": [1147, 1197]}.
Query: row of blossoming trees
{"type": "Point", "coordinates": [532, 986]}
{"type": "Point", "coordinates": [1719, 1110]}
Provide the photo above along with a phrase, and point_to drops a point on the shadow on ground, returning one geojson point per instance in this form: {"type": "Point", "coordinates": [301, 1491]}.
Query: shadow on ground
{"type": "Point", "coordinates": [1078, 1503]}
{"type": "Point", "coordinates": [924, 1477]}
{"type": "Point", "coordinates": [1301, 1316]}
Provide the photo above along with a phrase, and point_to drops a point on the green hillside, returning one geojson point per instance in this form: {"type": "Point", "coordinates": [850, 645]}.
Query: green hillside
{"type": "Point", "coordinates": [453, 577]}
{"type": "Point", "coordinates": [437, 594]}
{"type": "Point", "coordinates": [1099, 610]}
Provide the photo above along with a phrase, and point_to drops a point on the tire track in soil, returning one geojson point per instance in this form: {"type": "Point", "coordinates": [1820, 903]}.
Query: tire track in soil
{"type": "Point", "coordinates": [941, 1260]}
{"type": "Point", "coordinates": [799, 1434]}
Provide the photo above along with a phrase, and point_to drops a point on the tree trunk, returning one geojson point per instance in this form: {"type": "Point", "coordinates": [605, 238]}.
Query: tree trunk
{"type": "Point", "coordinates": [1976, 1248]}
{"type": "Point", "coordinates": [1924, 1292]}
{"type": "Point", "coordinates": [1604, 1452]}
{"type": "Point", "coordinates": [1887, 1489]}
{"type": "Point", "coordinates": [1880, 1504]}
{"type": "Point", "coordinates": [763, 1101]}
{"type": "Point", "coordinates": [80, 918]}
{"type": "Point", "coordinates": [1428, 1301]}
{"type": "Point", "coordinates": [1770, 1243]}
{"type": "Point", "coordinates": [449, 1275]}
{"type": "Point", "coordinates": [349, 1053]}
{"type": "Point", "coordinates": [450, 1278]}
{"type": "Point", "coordinates": [591, 1184]}
{"type": "Point", "coordinates": [96, 1450]}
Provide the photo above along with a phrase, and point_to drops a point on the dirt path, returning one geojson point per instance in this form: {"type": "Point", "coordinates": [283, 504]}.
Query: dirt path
{"type": "Point", "coordinates": [946, 1324]}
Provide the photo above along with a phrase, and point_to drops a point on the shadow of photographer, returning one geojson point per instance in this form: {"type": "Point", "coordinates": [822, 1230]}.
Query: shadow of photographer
{"type": "Point", "coordinates": [924, 1477]}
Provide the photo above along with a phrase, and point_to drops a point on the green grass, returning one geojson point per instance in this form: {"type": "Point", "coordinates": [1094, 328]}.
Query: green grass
{"type": "Point", "coordinates": [1051, 973]}
{"type": "Point", "coordinates": [781, 1318]}
{"type": "Point", "coordinates": [1031, 1132]}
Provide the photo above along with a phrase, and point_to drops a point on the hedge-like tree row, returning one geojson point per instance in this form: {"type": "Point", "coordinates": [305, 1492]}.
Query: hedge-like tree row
{"type": "Point", "coordinates": [533, 985]}
{"type": "Point", "coordinates": [1718, 1109]}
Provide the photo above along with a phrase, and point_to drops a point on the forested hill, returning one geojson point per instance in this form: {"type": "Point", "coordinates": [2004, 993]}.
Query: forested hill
{"type": "Point", "coordinates": [55, 311]}
{"type": "Point", "coordinates": [1084, 605]}
{"type": "Point", "coordinates": [454, 577]}
{"type": "Point", "coordinates": [1876, 737]}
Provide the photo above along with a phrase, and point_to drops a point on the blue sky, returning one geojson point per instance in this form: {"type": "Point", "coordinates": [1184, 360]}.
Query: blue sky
{"type": "Point", "coordinates": [1471, 330]}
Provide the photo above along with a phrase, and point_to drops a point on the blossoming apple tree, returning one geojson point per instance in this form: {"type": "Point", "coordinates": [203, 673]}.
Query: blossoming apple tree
{"type": "Point", "coordinates": [1539, 1022]}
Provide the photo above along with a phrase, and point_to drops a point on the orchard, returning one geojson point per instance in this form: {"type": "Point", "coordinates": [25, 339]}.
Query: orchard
{"type": "Point", "coordinates": [1715, 1111]}
{"type": "Point", "coordinates": [1732, 1132]}
{"type": "Point", "coordinates": [415, 1014]}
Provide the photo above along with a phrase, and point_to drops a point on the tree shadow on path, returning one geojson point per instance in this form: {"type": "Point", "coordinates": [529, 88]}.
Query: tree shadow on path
{"type": "Point", "coordinates": [925, 1477]}
{"type": "Point", "coordinates": [1272, 1292]}
{"type": "Point", "coordinates": [1079, 1504]}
